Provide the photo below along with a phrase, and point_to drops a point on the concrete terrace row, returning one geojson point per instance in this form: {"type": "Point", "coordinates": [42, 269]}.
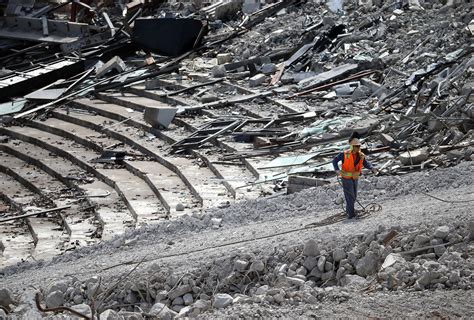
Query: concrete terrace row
{"type": "Point", "coordinates": [54, 159]}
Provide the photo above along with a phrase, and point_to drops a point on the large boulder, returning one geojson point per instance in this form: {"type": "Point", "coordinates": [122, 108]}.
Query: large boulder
{"type": "Point", "coordinates": [367, 265]}
{"type": "Point", "coordinates": [6, 297]}
{"type": "Point", "coordinates": [179, 291]}
{"type": "Point", "coordinates": [441, 232]}
{"type": "Point", "coordinates": [310, 249]}
{"type": "Point", "coordinates": [222, 300]}
{"type": "Point", "coordinates": [338, 254]}
{"type": "Point", "coordinates": [413, 157]}
{"type": "Point", "coordinates": [110, 315]}
{"type": "Point", "coordinates": [54, 299]}
{"type": "Point", "coordinates": [353, 280]}
{"type": "Point", "coordinates": [85, 310]}
{"type": "Point", "coordinates": [161, 311]}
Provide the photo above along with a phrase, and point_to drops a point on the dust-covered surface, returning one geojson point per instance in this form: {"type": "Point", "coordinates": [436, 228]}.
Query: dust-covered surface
{"type": "Point", "coordinates": [261, 258]}
{"type": "Point", "coordinates": [236, 251]}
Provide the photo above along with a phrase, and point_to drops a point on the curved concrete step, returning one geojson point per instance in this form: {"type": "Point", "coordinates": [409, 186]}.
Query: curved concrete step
{"type": "Point", "coordinates": [233, 177]}
{"type": "Point", "coordinates": [114, 220]}
{"type": "Point", "coordinates": [70, 151]}
{"type": "Point", "coordinates": [77, 222]}
{"type": "Point", "coordinates": [166, 183]}
{"type": "Point", "coordinates": [140, 199]}
{"type": "Point", "coordinates": [16, 242]}
{"type": "Point", "coordinates": [257, 110]}
{"type": "Point", "coordinates": [200, 180]}
{"type": "Point", "coordinates": [143, 199]}
{"type": "Point", "coordinates": [184, 126]}
{"type": "Point", "coordinates": [46, 232]}
{"type": "Point", "coordinates": [144, 98]}
{"type": "Point", "coordinates": [225, 173]}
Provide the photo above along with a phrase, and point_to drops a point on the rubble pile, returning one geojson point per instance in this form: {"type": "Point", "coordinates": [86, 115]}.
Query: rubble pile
{"type": "Point", "coordinates": [399, 74]}
{"type": "Point", "coordinates": [425, 258]}
{"type": "Point", "coordinates": [147, 119]}
{"type": "Point", "coordinates": [405, 69]}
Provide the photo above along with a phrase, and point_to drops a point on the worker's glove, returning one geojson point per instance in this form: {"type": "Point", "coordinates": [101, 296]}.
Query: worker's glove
{"type": "Point", "coordinates": [338, 172]}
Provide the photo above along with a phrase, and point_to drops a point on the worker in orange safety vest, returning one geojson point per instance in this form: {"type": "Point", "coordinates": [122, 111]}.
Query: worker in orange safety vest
{"type": "Point", "coordinates": [352, 162]}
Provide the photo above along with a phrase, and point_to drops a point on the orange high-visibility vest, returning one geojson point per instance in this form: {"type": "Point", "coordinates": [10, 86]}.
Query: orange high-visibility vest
{"type": "Point", "coordinates": [349, 170]}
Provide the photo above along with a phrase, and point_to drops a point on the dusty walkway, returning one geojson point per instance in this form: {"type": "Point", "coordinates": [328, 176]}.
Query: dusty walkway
{"type": "Point", "coordinates": [252, 228]}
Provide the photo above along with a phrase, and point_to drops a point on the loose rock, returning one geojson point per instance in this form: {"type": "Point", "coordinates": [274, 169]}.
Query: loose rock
{"type": "Point", "coordinates": [222, 300]}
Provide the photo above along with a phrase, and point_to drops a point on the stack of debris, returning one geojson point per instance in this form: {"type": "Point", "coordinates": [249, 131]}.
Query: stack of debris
{"type": "Point", "coordinates": [351, 66]}
{"type": "Point", "coordinates": [410, 99]}
{"type": "Point", "coordinates": [380, 260]}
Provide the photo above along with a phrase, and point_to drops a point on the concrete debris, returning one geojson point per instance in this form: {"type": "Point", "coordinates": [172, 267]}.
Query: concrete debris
{"type": "Point", "coordinates": [161, 311]}
{"type": "Point", "coordinates": [240, 265]}
{"type": "Point", "coordinates": [311, 249]}
{"type": "Point", "coordinates": [200, 108]}
{"type": "Point", "coordinates": [222, 300]}
{"type": "Point", "coordinates": [159, 117]}
{"type": "Point", "coordinates": [84, 309]}
{"type": "Point", "coordinates": [110, 315]}
{"type": "Point", "coordinates": [367, 265]}
{"type": "Point", "coordinates": [219, 71]}
{"type": "Point", "coordinates": [268, 68]}
{"type": "Point", "coordinates": [413, 157]}
{"type": "Point", "coordinates": [224, 58]}
{"type": "Point", "coordinates": [54, 299]}
{"type": "Point", "coordinates": [257, 80]}
{"type": "Point", "coordinates": [257, 266]}
{"type": "Point", "coordinates": [321, 274]}
{"type": "Point", "coordinates": [6, 297]}
{"type": "Point", "coordinates": [179, 291]}
{"type": "Point", "coordinates": [298, 183]}
{"type": "Point", "coordinates": [442, 232]}
{"type": "Point", "coordinates": [115, 64]}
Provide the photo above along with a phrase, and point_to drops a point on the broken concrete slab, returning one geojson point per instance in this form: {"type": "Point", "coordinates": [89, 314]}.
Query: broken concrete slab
{"type": "Point", "coordinates": [257, 80]}
{"type": "Point", "coordinates": [116, 64]}
{"type": "Point", "coordinates": [159, 117]}
{"type": "Point", "coordinates": [33, 29]}
{"type": "Point", "coordinates": [46, 94]}
{"type": "Point", "coordinates": [346, 89]}
{"type": "Point", "coordinates": [413, 157]}
{"type": "Point", "coordinates": [386, 139]}
{"type": "Point", "coordinates": [324, 77]}
{"type": "Point", "coordinates": [268, 68]}
{"type": "Point", "coordinates": [298, 183]}
{"type": "Point", "coordinates": [224, 58]}
{"type": "Point", "coordinates": [250, 6]}
{"type": "Point", "coordinates": [219, 71]}
{"type": "Point", "coordinates": [222, 300]}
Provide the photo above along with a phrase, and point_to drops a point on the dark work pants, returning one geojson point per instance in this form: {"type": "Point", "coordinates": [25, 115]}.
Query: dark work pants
{"type": "Point", "coordinates": [350, 194]}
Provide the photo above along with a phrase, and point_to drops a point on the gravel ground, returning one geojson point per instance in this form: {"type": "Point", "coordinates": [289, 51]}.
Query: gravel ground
{"type": "Point", "coordinates": [260, 227]}
{"type": "Point", "coordinates": [398, 305]}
